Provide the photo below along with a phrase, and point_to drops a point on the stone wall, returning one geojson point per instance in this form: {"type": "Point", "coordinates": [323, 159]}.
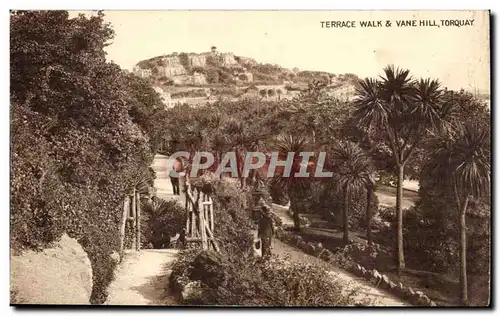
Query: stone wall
{"type": "Point", "coordinates": [197, 60]}
{"type": "Point", "coordinates": [171, 71]}
{"type": "Point", "coordinates": [227, 59]}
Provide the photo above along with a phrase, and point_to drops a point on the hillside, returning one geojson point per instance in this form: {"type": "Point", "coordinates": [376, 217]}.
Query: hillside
{"type": "Point", "coordinates": [206, 76]}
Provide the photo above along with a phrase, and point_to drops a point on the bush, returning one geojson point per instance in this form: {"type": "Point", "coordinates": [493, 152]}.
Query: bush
{"type": "Point", "coordinates": [431, 240]}
{"type": "Point", "coordinates": [253, 282]}
{"type": "Point", "coordinates": [325, 200]}
{"type": "Point", "coordinates": [181, 269]}
{"type": "Point", "coordinates": [99, 245]}
{"type": "Point", "coordinates": [232, 216]}
{"type": "Point", "coordinates": [160, 219]}
{"type": "Point", "coordinates": [212, 75]}
{"type": "Point", "coordinates": [278, 195]}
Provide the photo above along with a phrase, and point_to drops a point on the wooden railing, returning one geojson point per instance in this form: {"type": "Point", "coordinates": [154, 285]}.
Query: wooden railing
{"type": "Point", "coordinates": [200, 219]}
{"type": "Point", "coordinates": [131, 215]}
{"type": "Point", "coordinates": [200, 225]}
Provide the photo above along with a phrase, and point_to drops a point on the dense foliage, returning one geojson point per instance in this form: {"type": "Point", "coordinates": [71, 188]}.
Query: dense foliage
{"type": "Point", "coordinates": [254, 282]}
{"type": "Point", "coordinates": [160, 220]}
{"type": "Point", "coordinates": [80, 135]}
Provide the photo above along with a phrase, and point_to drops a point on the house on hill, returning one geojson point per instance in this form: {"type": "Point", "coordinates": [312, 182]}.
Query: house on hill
{"type": "Point", "coordinates": [144, 73]}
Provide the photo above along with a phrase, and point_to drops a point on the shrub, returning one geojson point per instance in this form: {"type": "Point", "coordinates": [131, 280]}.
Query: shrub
{"type": "Point", "coordinates": [160, 219]}
{"type": "Point", "coordinates": [212, 75]}
{"type": "Point", "coordinates": [325, 200]}
{"type": "Point", "coordinates": [99, 245]}
{"type": "Point", "coordinates": [232, 218]}
{"type": "Point", "coordinates": [277, 193]}
{"type": "Point", "coordinates": [181, 269]}
{"type": "Point", "coordinates": [431, 240]}
{"type": "Point", "coordinates": [247, 281]}
{"type": "Point", "coordinates": [199, 70]}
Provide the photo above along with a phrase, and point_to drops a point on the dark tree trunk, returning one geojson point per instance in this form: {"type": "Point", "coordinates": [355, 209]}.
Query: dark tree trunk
{"type": "Point", "coordinates": [294, 206]}
{"type": "Point", "coordinates": [400, 262]}
{"type": "Point", "coordinates": [369, 193]}
{"type": "Point", "coordinates": [346, 217]}
{"type": "Point", "coordinates": [464, 299]}
{"type": "Point", "coordinates": [296, 216]}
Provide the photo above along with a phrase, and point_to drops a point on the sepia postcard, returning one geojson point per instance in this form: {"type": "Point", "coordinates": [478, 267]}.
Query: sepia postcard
{"type": "Point", "coordinates": [250, 158]}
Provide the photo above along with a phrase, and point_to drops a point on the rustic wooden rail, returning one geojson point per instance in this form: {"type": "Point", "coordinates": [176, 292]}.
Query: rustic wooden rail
{"type": "Point", "coordinates": [199, 219]}
{"type": "Point", "coordinates": [132, 215]}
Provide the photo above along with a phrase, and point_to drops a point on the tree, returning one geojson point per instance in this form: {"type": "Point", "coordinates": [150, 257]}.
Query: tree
{"type": "Point", "coordinates": [370, 188]}
{"type": "Point", "coordinates": [399, 112]}
{"type": "Point", "coordinates": [295, 187]}
{"type": "Point", "coordinates": [242, 140]}
{"type": "Point", "coordinates": [354, 172]}
{"type": "Point", "coordinates": [213, 75]}
{"type": "Point", "coordinates": [463, 158]}
{"type": "Point", "coordinates": [317, 114]}
{"type": "Point", "coordinates": [279, 93]}
{"type": "Point", "coordinates": [263, 93]}
{"type": "Point", "coordinates": [88, 144]}
{"type": "Point", "coordinates": [271, 93]}
{"type": "Point", "coordinates": [184, 61]}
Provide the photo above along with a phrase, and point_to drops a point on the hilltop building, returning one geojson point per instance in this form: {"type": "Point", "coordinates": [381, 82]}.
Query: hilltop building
{"type": "Point", "coordinates": [144, 73]}
{"type": "Point", "coordinates": [166, 98]}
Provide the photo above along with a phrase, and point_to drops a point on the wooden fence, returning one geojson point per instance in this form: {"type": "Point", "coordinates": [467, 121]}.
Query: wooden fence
{"type": "Point", "coordinates": [132, 215]}
{"type": "Point", "coordinates": [199, 229]}
{"type": "Point", "coordinates": [200, 219]}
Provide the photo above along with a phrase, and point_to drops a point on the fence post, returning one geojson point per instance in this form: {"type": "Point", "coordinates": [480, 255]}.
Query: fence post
{"type": "Point", "coordinates": [203, 230]}
{"type": "Point", "coordinates": [138, 224]}
{"type": "Point", "coordinates": [211, 210]}
{"type": "Point", "coordinates": [134, 219]}
{"type": "Point", "coordinates": [123, 224]}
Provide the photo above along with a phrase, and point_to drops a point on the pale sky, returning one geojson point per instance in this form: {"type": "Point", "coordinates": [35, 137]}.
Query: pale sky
{"type": "Point", "coordinates": [457, 56]}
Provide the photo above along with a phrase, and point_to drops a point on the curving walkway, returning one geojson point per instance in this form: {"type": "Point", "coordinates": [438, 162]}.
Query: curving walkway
{"type": "Point", "coordinates": [142, 279]}
{"type": "Point", "coordinates": [364, 292]}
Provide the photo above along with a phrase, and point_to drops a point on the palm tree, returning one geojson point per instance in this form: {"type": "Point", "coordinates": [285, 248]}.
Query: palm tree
{"type": "Point", "coordinates": [243, 140]}
{"type": "Point", "coordinates": [143, 180]}
{"type": "Point", "coordinates": [279, 93]}
{"type": "Point", "coordinates": [354, 172]}
{"type": "Point", "coordinates": [263, 93]}
{"type": "Point", "coordinates": [370, 188]}
{"type": "Point", "coordinates": [399, 111]}
{"type": "Point", "coordinates": [296, 188]}
{"type": "Point", "coordinates": [163, 219]}
{"type": "Point", "coordinates": [463, 160]}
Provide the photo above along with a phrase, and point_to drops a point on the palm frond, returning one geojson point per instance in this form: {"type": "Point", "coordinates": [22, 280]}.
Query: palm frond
{"type": "Point", "coordinates": [426, 103]}
{"type": "Point", "coordinates": [397, 87]}
{"type": "Point", "coordinates": [371, 109]}
{"type": "Point", "coordinates": [464, 157]}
